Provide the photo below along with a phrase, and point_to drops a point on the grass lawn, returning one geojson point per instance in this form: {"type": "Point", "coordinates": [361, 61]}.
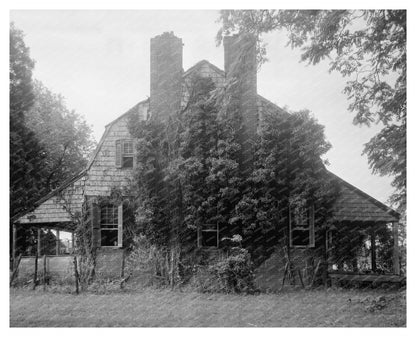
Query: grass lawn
{"type": "Point", "coordinates": [155, 308]}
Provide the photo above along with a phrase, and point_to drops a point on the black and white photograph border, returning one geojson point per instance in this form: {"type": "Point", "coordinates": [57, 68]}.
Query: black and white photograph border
{"type": "Point", "coordinates": [196, 167]}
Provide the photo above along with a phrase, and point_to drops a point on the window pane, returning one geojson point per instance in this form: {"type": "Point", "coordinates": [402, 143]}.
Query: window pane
{"type": "Point", "coordinates": [209, 227]}
{"type": "Point", "coordinates": [109, 214]}
{"type": "Point", "coordinates": [300, 237]}
{"type": "Point", "coordinates": [115, 215]}
{"type": "Point", "coordinates": [127, 161]}
{"type": "Point", "coordinates": [128, 148]}
{"type": "Point", "coordinates": [209, 238]}
{"type": "Point", "coordinates": [109, 226]}
{"type": "Point", "coordinates": [104, 214]}
{"type": "Point", "coordinates": [109, 237]}
{"type": "Point", "coordinates": [301, 218]}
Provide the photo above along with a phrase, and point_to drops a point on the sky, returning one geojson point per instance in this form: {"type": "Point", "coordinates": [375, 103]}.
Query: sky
{"type": "Point", "coordinates": [99, 61]}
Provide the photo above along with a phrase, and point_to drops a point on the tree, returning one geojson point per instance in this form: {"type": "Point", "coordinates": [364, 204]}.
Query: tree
{"type": "Point", "coordinates": [366, 46]}
{"type": "Point", "coordinates": [27, 157]}
{"type": "Point", "coordinates": [48, 143]}
{"type": "Point", "coordinates": [63, 133]}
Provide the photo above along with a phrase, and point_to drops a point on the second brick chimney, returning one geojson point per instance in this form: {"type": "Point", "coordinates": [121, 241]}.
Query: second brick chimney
{"type": "Point", "coordinates": [240, 65]}
{"type": "Point", "coordinates": [165, 75]}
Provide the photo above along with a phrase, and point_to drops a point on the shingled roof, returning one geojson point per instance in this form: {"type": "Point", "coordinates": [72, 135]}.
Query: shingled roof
{"type": "Point", "coordinates": [352, 204]}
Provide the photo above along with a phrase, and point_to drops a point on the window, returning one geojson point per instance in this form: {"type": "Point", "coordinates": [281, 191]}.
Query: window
{"type": "Point", "coordinates": [208, 236]}
{"type": "Point", "coordinates": [124, 153]}
{"type": "Point", "coordinates": [111, 228]}
{"type": "Point", "coordinates": [302, 227]}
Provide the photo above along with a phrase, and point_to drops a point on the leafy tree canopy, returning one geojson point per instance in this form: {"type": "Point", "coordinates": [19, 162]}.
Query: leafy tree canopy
{"type": "Point", "coordinates": [366, 46]}
{"type": "Point", "coordinates": [64, 134]}
{"type": "Point", "coordinates": [27, 157]}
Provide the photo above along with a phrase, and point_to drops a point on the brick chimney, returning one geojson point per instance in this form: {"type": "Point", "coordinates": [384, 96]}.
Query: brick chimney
{"type": "Point", "coordinates": [240, 65]}
{"type": "Point", "coordinates": [165, 75]}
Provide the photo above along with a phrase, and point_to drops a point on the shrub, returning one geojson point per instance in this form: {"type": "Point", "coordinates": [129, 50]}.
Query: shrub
{"type": "Point", "coordinates": [233, 274]}
{"type": "Point", "coordinates": [147, 262]}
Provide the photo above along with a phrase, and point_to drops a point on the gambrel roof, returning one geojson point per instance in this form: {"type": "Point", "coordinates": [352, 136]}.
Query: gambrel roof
{"type": "Point", "coordinates": [352, 204]}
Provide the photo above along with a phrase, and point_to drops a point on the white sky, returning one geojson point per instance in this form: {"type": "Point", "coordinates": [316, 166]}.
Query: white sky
{"type": "Point", "coordinates": [99, 61]}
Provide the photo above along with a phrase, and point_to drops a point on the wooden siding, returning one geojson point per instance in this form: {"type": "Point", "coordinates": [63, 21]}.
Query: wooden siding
{"type": "Point", "coordinates": [103, 174]}
{"type": "Point", "coordinates": [203, 69]}
{"type": "Point", "coordinates": [60, 207]}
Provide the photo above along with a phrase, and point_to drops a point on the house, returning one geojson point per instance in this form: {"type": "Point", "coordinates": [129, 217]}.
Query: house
{"type": "Point", "coordinates": [113, 161]}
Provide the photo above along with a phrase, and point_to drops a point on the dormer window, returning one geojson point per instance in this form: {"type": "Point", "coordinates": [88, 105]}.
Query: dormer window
{"type": "Point", "coordinates": [124, 153]}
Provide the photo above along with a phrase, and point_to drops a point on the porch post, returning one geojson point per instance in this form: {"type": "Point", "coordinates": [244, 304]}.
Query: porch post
{"type": "Point", "coordinates": [325, 275]}
{"type": "Point", "coordinates": [57, 242]}
{"type": "Point", "coordinates": [396, 267]}
{"type": "Point", "coordinates": [39, 246]}
{"type": "Point", "coordinates": [373, 249]}
{"type": "Point", "coordinates": [14, 246]}
{"type": "Point", "coordinates": [73, 241]}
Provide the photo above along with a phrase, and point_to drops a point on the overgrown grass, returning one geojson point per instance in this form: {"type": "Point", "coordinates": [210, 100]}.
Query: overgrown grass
{"type": "Point", "coordinates": [150, 307]}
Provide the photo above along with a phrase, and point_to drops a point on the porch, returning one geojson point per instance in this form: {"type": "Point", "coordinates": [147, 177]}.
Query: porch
{"type": "Point", "coordinates": [53, 240]}
{"type": "Point", "coordinates": [362, 239]}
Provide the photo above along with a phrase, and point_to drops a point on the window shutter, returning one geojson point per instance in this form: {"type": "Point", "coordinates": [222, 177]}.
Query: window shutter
{"type": "Point", "coordinates": [290, 226]}
{"type": "Point", "coordinates": [134, 155]}
{"type": "Point", "coordinates": [95, 220]}
{"type": "Point", "coordinates": [120, 226]}
{"type": "Point", "coordinates": [119, 149]}
{"type": "Point", "coordinates": [311, 226]}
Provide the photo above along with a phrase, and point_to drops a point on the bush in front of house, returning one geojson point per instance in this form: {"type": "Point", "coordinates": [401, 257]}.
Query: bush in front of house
{"type": "Point", "coordinates": [232, 274]}
{"type": "Point", "coordinates": [146, 263]}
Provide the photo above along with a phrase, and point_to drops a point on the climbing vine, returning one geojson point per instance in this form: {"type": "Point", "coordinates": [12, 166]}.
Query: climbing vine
{"type": "Point", "coordinates": [189, 173]}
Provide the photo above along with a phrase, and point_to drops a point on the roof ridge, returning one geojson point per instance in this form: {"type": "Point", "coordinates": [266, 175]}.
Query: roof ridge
{"type": "Point", "coordinates": [199, 63]}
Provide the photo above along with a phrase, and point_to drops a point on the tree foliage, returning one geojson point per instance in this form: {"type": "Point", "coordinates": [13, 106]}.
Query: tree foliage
{"type": "Point", "coordinates": [63, 133]}
{"type": "Point", "coordinates": [48, 142]}
{"type": "Point", "coordinates": [27, 157]}
{"type": "Point", "coordinates": [366, 46]}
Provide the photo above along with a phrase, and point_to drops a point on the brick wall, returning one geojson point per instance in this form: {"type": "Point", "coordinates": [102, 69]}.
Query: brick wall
{"type": "Point", "coordinates": [241, 68]}
{"type": "Point", "coordinates": [165, 75]}
{"type": "Point", "coordinates": [108, 263]}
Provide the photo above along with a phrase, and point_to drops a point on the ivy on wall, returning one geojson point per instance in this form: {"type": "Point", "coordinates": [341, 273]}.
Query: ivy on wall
{"type": "Point", "coordinates": [189, 172]}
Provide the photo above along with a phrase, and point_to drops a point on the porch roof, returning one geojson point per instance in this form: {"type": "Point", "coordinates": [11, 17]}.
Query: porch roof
{"type": "Point", "coordinates": [354, 205]}
{"type": "Point", "coordinates": [52, 211]}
